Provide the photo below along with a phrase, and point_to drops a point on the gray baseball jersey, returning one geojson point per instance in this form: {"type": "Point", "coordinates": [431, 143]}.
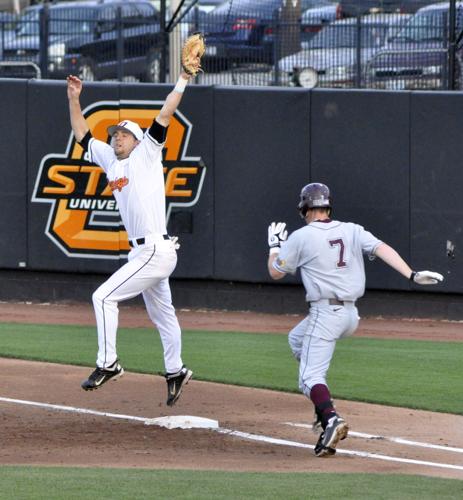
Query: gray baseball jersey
{"type": "Point", "coordinates": [330, 256]}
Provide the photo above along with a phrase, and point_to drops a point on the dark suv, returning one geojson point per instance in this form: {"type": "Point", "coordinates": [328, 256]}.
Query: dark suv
{"type": "Point", "coordinates": [92, 39]}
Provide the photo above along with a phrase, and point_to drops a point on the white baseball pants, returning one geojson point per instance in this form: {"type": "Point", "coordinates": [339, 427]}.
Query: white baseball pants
{"type": "Point", "coordinates": [147, 271]}
{"type": "Point", "coordinates": [313, 340]}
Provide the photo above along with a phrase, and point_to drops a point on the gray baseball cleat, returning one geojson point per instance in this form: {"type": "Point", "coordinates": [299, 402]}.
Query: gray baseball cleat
{"type": "Point", "coordinates": [175, 383]}
{"type": "Point", "coordinates": [336, 430]}
{"type": "Point", "coordinates": [101, 375]}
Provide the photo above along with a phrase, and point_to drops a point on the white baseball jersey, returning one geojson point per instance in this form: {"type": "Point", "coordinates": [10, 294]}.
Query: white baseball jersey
{"type": "Point", "coordinates": [330, 257]}
{"type": "Point", "coordinates": [137, 183]}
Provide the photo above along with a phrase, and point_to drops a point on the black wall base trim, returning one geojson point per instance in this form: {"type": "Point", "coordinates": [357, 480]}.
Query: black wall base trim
{"type": "Point", "coordinates": [32, 286]}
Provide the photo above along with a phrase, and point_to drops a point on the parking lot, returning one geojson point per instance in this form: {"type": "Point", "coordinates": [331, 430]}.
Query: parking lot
{"type": "Point", "coordinates": [325, 43]}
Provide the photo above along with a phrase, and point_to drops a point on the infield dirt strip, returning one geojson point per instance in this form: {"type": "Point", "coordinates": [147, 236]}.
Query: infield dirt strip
{"type": "Point", "coordinates": [47, 436]}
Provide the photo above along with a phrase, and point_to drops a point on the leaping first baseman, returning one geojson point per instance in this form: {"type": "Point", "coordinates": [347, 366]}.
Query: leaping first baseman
{"type": "Point", "coordinates": [133, 166]}
{"type": "Point", "coordinates": [329, 254]}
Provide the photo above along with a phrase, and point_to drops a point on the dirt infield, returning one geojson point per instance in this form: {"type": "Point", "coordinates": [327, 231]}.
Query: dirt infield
{"type": "Point", "coordinates": [46, 435]}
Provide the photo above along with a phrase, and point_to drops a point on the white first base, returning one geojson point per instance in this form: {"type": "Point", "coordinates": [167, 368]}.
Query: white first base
{"type": "Point", "coordinates": [183, 422]}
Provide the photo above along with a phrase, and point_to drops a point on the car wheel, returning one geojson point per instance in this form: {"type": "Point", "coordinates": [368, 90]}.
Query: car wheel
{"type": "Point", "coordinates": [86, 71]}
{"type": "Point", "coordinates": [153, 68]}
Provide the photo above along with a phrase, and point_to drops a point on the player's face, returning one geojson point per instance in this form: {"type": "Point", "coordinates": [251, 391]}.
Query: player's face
{"type": "Point", "coordinates": [123, 143]}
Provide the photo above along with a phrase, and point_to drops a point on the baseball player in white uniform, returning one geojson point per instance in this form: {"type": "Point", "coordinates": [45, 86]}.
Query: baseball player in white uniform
{"type": "Point", "coordinates": [133, 166]}
{"type": "Point", "coordinates": [329, 255]}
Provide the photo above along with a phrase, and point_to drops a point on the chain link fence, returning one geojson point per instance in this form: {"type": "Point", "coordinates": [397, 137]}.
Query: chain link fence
{"type": "Point", "coordinates": [383, 44]}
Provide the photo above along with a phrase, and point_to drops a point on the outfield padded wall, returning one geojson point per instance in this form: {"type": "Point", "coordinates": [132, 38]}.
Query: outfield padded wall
{"type": "Point", "coordinates": [391, 159]}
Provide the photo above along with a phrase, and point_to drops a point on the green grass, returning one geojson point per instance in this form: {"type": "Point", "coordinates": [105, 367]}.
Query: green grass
{"type": "Point", "coordinates": [63, 483]}
{"type": "Point", "coordinates": [406, 373]}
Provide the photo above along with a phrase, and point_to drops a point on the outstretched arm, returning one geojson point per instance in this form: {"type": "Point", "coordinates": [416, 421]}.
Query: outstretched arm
{"type": "Point", "coordinates": [393, 259]}
{"type": "Point", "coordinates": [172, 101]}
{"type": "Point", "coordinates": [78, 123]}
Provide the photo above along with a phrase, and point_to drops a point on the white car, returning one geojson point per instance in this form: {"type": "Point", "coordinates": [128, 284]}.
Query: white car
{"type": "Point", "coordinates": [334, 58]}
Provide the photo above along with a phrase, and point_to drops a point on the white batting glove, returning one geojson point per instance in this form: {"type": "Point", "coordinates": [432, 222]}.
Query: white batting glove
{"type": "Point", "coordinates": [426, 277]}
{"type": "Point", "coordinates": [276, 234]}
{"type": "Point", "coordinates": [174, 240]}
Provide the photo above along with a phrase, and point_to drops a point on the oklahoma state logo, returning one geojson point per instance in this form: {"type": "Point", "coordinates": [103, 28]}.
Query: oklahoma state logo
{"type": "Point", "coordinates": [84, 218]}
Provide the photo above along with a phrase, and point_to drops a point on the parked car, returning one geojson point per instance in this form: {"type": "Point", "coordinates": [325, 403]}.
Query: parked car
{"type": "Point", "coordinates": [417, 56]}
{"type": "Point", "coordinates": [246, 31]}
{"type": "Point", "coordinates": [351, 8]}
{"type": "Point", "coordinates": [332, 55]}
{"type": "Point", "coordinates": [315, 15]}
{"type": "Point", "coordinates": [7, 27]}
{"type": "Point", "coordinates": [83, 39]}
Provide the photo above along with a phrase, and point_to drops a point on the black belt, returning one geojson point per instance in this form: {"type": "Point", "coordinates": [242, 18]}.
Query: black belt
{"type": "Point", "coordinates": [141, 241]}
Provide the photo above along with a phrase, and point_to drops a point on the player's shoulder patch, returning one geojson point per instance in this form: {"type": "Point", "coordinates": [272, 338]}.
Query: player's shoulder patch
{"type": "Point", "coordinates": [281, 262]}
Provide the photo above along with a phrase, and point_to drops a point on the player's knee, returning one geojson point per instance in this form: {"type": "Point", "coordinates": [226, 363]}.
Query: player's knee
{"type": "Point", "coordinates": [97, 298]}
{"type": "Point", "coordinates": [295, 344]}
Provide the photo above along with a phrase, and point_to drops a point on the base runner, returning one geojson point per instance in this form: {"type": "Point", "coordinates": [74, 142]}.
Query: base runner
{"type": "Point", "coordinates": [329, 255]}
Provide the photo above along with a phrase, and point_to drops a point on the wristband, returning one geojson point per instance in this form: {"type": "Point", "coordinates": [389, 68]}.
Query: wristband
{"type": "Point", "coordinates": [180, 85]}
{"type": "Point", "coordinates": [412, 276]}
{"type": "Point", "coordinates": [274, 250]}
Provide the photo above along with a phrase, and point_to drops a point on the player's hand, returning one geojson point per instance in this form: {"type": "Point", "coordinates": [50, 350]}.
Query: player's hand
{"type": "Point", "coordinates": [276, 234]}
{"type": "Point", "coordinates": [174, 240]}
{"type": "Point", "coordinates": [74, 86]}
{"type": "Point", "coordinates": [426, 277]}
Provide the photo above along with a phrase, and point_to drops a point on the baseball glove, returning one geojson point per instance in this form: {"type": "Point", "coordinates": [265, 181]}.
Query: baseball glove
{"type": "Point", "coordinates": [192, 51]}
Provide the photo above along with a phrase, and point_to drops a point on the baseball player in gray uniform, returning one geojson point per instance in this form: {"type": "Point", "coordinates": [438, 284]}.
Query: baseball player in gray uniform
{"type": "Point", "coordinates": [133, 166]}
{"type": "Point", "coordinates": [329, 255]}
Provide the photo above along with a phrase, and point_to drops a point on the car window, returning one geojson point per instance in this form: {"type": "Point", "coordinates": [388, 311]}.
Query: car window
{"type": "Point", "coordinates": [310, 4]}
{"type": "Point", "coordinates": [428, 26]}
{"type": "Point", "coordinates": [346, 36]}
{"type": "Point", "coordinates": [130, 11]}
{"type": "Point", "coordinates": [239, 7]}
{"type": "Point", "coordinates": [107, 19]}
{"type": "Point", "coordinates": [62, 21]}
{"type": "Point", "coordinates": [146, 10]}
{"type": "Point", "coordinates": [28, 23]}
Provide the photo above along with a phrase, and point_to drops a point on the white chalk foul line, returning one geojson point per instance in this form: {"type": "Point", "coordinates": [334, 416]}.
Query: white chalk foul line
{"type": "Point", "coordinates": [230, 432]}
{"type": "Point", "coordinates": [390, 439]}
{"type": "Point", "coordinates": [73, 409]}
{"type": "Point", "coordinates": [363, 454]}
{"type": "Point", "coordinates": [171, 422]}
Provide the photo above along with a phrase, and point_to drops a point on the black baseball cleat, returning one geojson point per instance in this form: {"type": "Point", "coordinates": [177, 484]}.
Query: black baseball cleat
{"type": "Point", "coordinates": [322, 451]}
{"type": "Point", "coordinates": [175, 383]}
{"type": "Point", "coordinates": [335, 430]}
{"type": "Point", "coordinates": [101, 375]}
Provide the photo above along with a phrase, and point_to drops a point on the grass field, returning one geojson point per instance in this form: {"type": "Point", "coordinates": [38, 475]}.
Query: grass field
{"type": "Point", "coordinates": [406, 373]}
{"type": "Point", "coordinates": [110, 484]}
{"type": "Point", "coordinates": [400, 373]}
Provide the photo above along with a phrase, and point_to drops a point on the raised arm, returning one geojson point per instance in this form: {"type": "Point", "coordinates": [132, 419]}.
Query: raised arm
{"type": "Point", "coordinates": [173, 100]}
{"type": "Point", "coordinates": [78, 123]}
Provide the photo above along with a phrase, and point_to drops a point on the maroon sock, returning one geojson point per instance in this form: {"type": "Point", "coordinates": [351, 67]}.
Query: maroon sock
{"type": "Point", "coordinates": [321, 398]}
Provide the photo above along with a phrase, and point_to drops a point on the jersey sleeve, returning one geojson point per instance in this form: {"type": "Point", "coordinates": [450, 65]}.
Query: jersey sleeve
{"type": "Point", "coordinates": [152, 144]}
{"type": "Point", "coordinates": [288, 258]}
{"type": "Point", "coordinates": [100, 153]}
{"type": "Point", "coordinates": [368, 242]}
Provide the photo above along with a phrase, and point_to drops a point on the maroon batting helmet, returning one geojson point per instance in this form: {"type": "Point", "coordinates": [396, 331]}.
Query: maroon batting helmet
{"type": "Point", "coordinates": [314, 195]}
